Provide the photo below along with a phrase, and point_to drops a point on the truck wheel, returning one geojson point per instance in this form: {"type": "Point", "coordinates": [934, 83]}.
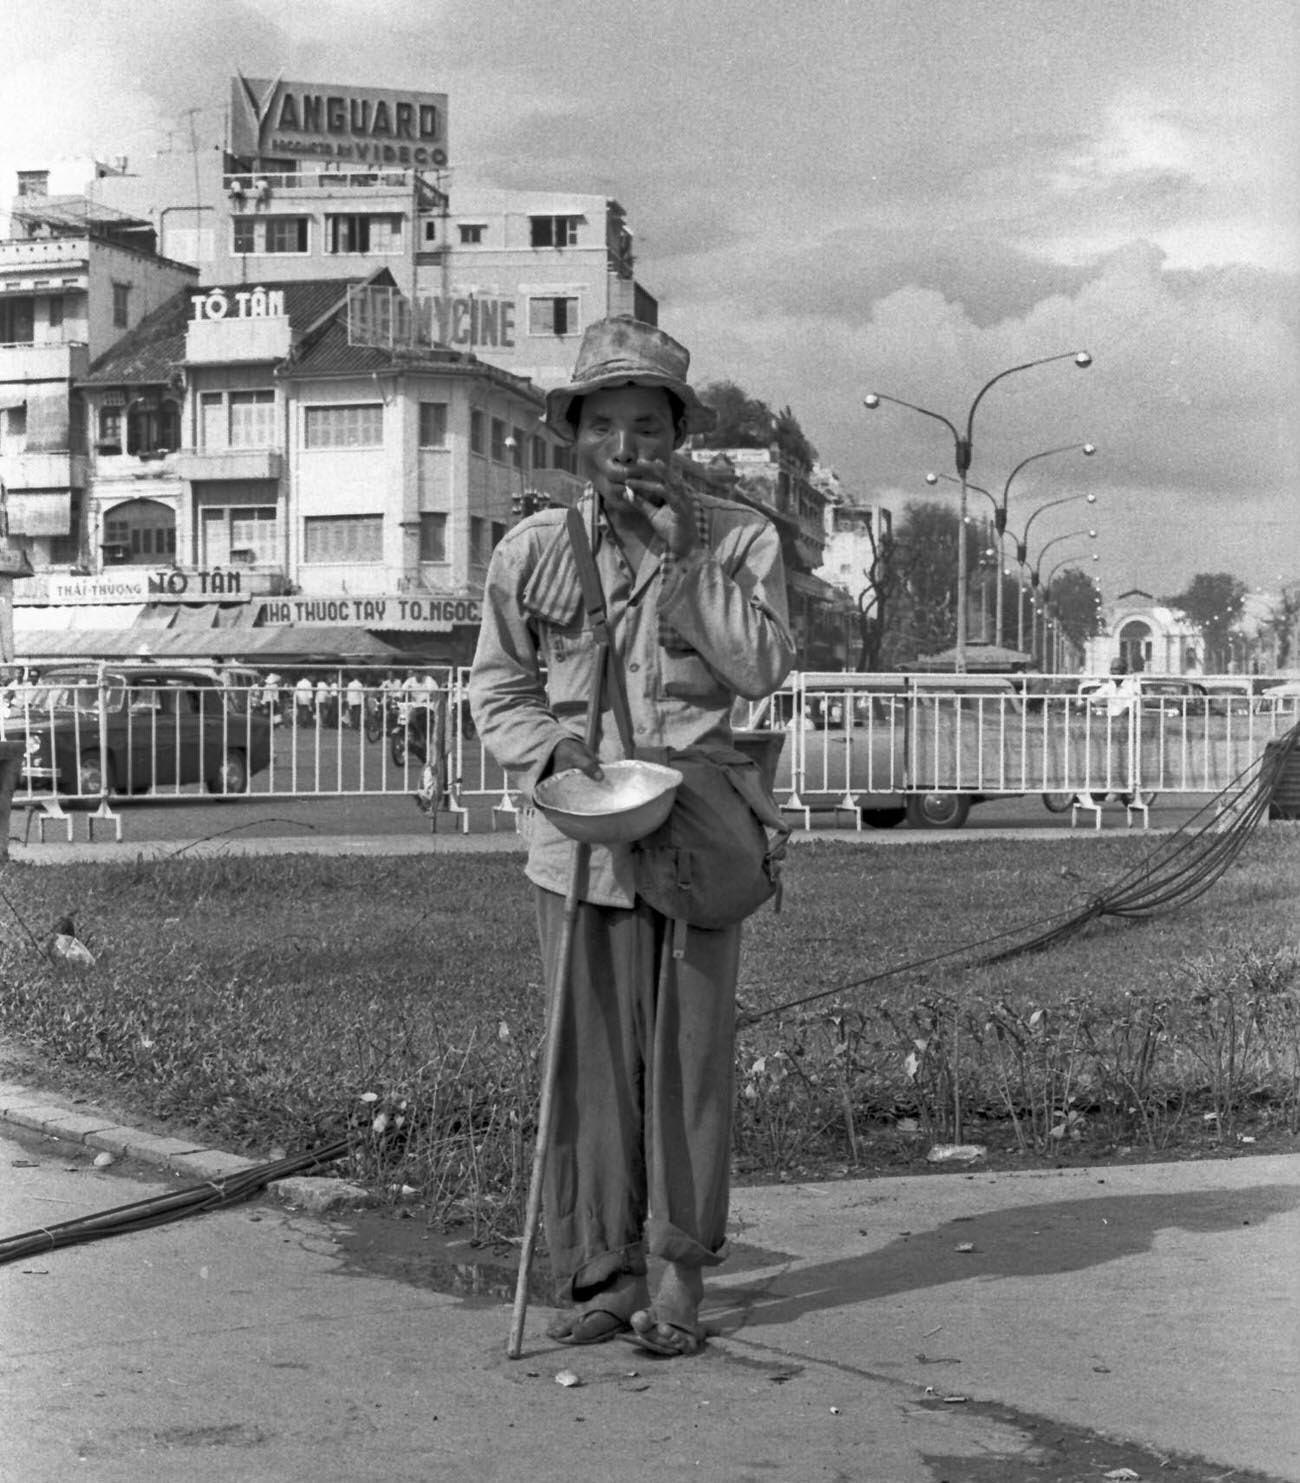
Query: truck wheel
{"type": "Point", "coordinates": [1058, 803]}
{"type": "Point", "coordinates": [883, 818]}
{"type": "Point", "coordinates": [937, 810]}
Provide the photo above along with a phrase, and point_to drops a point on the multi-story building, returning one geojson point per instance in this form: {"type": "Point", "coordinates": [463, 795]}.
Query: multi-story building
{"type": "Point", "coordinates": [324, 180]}
{"type": "Point", "coordinates": [822, 618]}
{"type": "Point", "coordinates": [75, 277]}
{"type": "Point", "coordinates": [319, 485]}
{"type": "Point", "coordinates": [854, 534]}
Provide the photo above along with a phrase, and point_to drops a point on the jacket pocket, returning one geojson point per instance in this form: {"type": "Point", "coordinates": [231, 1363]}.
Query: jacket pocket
{"type": "Point", "coordinates": [569, 654]}
{"type": "Point", "coordinates": [685, 676]}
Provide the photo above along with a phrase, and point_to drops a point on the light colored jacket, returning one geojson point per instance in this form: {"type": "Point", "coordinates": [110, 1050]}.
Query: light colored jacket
{"type": "Point", "coordinates": [534, 671]}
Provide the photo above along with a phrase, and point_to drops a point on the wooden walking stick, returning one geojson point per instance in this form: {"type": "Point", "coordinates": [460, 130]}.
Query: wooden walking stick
{"type": "Point", "coordinates": [554, 1018]}
{"type": "Point", "coordinates": [559, 993]}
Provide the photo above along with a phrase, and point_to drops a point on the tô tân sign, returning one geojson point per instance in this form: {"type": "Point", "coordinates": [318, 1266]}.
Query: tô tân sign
{"type": "Point", "coordinates": [140, 584]}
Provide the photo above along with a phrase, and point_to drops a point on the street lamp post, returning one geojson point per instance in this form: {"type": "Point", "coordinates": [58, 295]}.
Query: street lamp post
{"type": "Point", "coordinates": [963, 446]}
{"type": "Point", "coordinates": [1000, 507]}
{"type": "Point", "coordinates": [1037, 567]}
{"type": "Point", "coordinates": [1048, 603]}
{"type": "Point", "coordinates": [1022, 551]}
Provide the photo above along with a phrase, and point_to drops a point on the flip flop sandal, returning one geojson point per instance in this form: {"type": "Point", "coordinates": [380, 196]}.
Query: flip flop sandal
{"type": "Point", "coordinates": [685, 1341]}
{"type": "Point", "coordinates": [609, 1326]}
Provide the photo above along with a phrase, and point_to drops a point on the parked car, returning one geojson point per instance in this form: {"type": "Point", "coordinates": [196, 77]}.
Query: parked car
{"type": "Point", "coordinates": [162, 727]}
{"type": "Point", "coordinates": [1282, 699]}
{"type": "Point", "coordinates": [1168, 695]}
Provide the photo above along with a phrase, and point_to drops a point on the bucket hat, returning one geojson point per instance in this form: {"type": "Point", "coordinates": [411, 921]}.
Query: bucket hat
{"type": "Point", "coordinates": [622, 351]}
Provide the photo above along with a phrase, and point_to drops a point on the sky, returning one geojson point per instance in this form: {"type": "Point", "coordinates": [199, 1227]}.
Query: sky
{"type": "Point", "coordinates": [840, 197]}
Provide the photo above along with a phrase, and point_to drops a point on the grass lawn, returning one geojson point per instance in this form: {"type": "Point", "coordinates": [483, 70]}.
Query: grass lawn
{"type": "Point", "coordinates": [281, 1001]}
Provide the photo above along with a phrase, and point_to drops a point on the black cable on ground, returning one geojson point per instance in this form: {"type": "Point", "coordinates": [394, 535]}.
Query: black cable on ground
{"type": "Point", "coordinates": [1148, 886]}
{"type": "Point", "coordinates": [213, 1194]}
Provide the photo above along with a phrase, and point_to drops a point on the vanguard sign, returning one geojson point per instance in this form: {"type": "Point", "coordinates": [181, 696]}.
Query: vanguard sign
{"type": "Point", "coordinates": [369, 126]}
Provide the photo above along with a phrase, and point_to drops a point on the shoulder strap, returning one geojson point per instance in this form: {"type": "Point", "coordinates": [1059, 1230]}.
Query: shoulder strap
{"type": "Point", "coordinates": [593, 597]}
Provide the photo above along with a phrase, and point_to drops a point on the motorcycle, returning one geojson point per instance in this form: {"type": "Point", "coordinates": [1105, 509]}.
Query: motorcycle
{"type": "Point", "coordinates": [410, 731]}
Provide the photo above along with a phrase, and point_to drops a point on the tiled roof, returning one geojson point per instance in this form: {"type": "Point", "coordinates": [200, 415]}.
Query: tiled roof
{"type": "Point", "coordinates": [148, 354]}
{"type": "Point", "coordinates": [154, 350]}
{"type": "Point", "coordinates": [327, 353]}
{"type": "Point", "coordinates": [151, 352]}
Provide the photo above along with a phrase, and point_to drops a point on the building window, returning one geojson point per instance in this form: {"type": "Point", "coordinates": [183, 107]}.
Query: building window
{"type": "Point", "coordinates": [433, 424]}
{"type": "Point", "coordinates": [121, 305]}
{"type": "Point", "coordinates": [478, 532]}
{"type": "Point", "coordinates": [359, 426]}
{"type": "Point", "coordinates": [364, 232]}
{"type": "Point", "coordinates": [430, 230]}
{"type": "Point", "coordinates": [476, 443]}
{"type": "Point", "coordinates": [539, 453]}
{"type": "Point", "coordinates": [237, 419]}
{"type": "Point", "coordinates": [139, 533]}
{"type": "Point", "coordinates": [498, 531]}
{"type": "Point", "coordinates": [553, 316]}
{"type": "Point", "coordinates": [17, 321]}
{"type": "Point", "coordinates": [66, 549]}
{"type": "Point", "coordinates": [239, 535]}
{"type": "Point", "coordinates": [56, 311]}
{"type": "Point", "coordinates": [271, 235]}
{"type": "Point", "coordinates": [517, 452]}
{"type": "Point", "coordinates": [110, 430]}
{"type": "Point", "coordinates": [499, 449]}
{"type": "Point", "coordinates": [252, 419]}
{"type": "Point", "coordinates": [433, 537]}
{"type": "Point", "coordinates": [153, 429]}
{"type": "Point", "coordinates": [554, 231]}
{"type": "Point", "coordinates": [471, 233]}
{"type": "Point", "coordinates": [343, 538]}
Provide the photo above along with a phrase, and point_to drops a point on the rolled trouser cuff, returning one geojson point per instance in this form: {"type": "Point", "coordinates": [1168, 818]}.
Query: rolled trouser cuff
{"type": "Point", "coordinates": [672, 1244]}
{"type": "Point", "coordinates": [600, 1271]}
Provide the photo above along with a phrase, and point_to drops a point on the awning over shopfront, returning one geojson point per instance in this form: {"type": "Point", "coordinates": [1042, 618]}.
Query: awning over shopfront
{"type": "Point", "coordinates": [305, 643]}
{"type": "Point", "coordinates": [810, 586]}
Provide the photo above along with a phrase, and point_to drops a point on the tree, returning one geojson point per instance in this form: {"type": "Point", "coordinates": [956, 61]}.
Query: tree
{"type": "Point", "coordinates": [876, 601]}
{"type": "Point", "coordinates": [747, 422]}
{"type": "Point", "coordinates": [1213, 602]}
{"type": "Point", "coordinates": [1282, 622]}
{"type": "Point", "coordinates": [924, 574]}
{"type": "Point", "coordinates": [1074, 597]}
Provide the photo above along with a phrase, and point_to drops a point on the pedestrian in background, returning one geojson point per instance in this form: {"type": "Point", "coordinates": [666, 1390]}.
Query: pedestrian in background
{"type": "Point", "coordinates": [356, 700]}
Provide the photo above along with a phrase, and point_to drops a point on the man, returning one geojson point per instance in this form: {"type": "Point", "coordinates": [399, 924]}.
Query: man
{"type": "Point", "coordinates": [356, 701]}
{"type": "Point", "coordinates": [695, 594]}
{"type": "Point", "coordinates": [1120, 691]}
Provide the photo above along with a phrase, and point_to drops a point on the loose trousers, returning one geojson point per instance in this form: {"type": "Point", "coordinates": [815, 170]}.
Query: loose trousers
{"type": "Point", "coordinates": [640, 1153]}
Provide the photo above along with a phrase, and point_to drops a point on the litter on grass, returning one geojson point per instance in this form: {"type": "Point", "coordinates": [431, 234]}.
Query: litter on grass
{"type": "Point", "coordinates": [955, 1153]}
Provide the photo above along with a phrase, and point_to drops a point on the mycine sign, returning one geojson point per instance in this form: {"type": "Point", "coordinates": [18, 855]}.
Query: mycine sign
{"type": "Point", "coordinates": [359, 126]}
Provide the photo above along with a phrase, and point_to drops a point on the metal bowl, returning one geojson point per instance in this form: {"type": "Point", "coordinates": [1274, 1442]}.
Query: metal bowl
{"type": "Point", "coordinates": [629, 802]}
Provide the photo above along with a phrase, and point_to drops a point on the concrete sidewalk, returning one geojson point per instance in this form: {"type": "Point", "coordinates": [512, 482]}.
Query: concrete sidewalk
{"type": "Point", "coordinates": [963, 1325]}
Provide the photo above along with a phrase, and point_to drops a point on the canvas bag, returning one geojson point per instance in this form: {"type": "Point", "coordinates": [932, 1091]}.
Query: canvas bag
{"type": "Point", "coordinates": [717, 857]}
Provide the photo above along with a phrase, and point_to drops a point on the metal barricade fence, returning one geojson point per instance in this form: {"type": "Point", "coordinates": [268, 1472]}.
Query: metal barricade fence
{"type": "Point", "coordinates": [852, 741]}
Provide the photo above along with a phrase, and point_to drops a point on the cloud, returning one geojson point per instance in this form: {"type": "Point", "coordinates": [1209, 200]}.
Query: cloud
{"type": "Point", "coordinates": [1191, 402]}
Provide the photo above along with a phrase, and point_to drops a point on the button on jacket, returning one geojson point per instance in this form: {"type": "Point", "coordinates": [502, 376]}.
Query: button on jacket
{"type": "Point", "coordinates": [692, 633]}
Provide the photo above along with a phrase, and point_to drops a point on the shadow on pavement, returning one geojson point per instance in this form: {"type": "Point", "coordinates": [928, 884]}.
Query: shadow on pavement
{"type": "Point", "coordinates": [1024, 1241]}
